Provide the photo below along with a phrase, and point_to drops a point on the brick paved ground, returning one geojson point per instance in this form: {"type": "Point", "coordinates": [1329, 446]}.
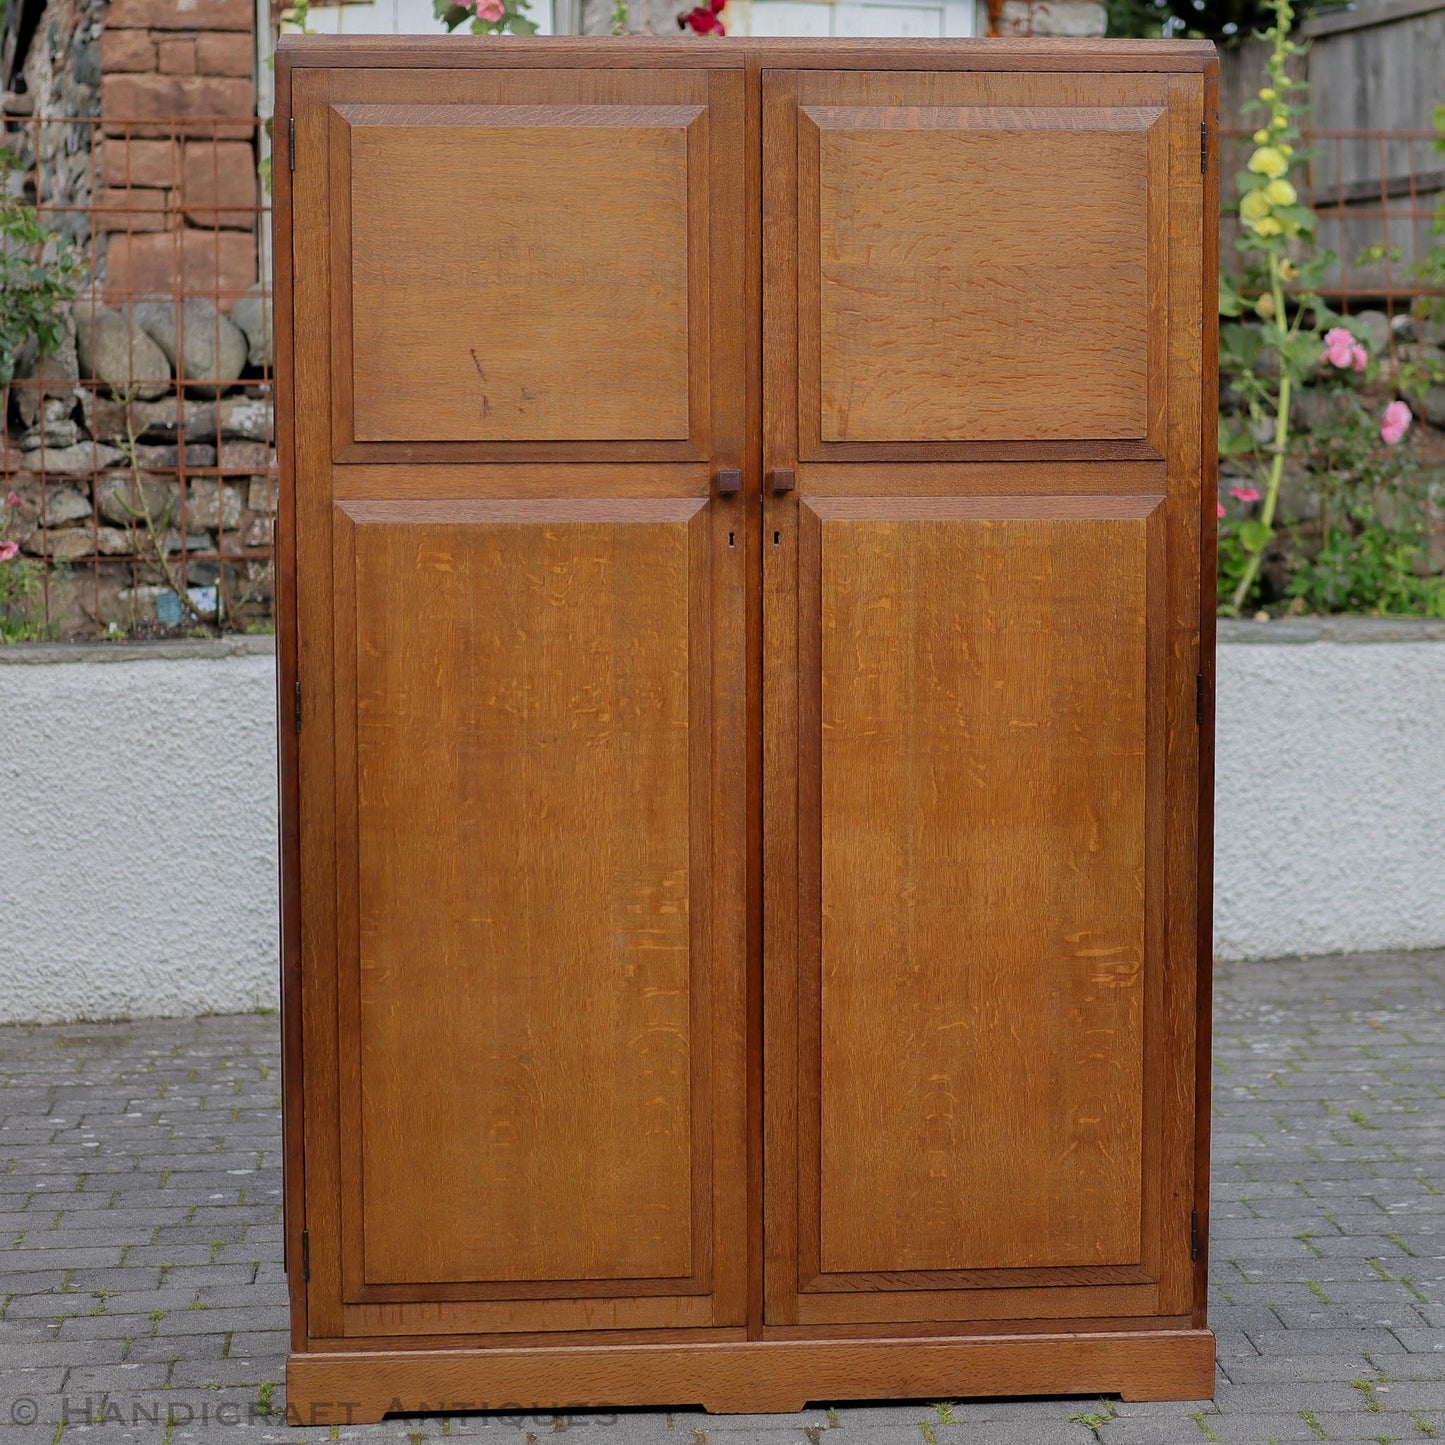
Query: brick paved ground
{"type": "Point", "coordinates": [140, 1239]}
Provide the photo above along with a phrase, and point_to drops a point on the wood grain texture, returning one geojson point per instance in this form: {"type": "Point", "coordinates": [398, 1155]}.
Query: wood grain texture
{"type": "Point", "coordinates": [750, 1376]}
{"type": "Point", "coordinates": [904, 887]}
{"type": "Point", "coordinates": [837, 1188]}
{"type": "Point", "coordinates": [982, 889]}
{"type": "Point", "coordinates": [310, 447]}
{"type": "Point", "coordinates": [293, 1048]}
{"type": "Point", "coordinates": [985, 270]}
{"type": "Point", "coordinates": [1191, 287]}
{"type": "Point", "coordinates": [525, 689]}
{"type": "Point", "coordinates": [1208, 561]}
{"type": "Point", "coordinates": [461, 52]}
{"type": "Point", "coordinates": [522, 759]}
{"type": "Point", "coordinates": [779, 660]}
{"type": "Point", "coordinates": [537, 99]}
{"type": "Point", "coordinates": [542, 253]}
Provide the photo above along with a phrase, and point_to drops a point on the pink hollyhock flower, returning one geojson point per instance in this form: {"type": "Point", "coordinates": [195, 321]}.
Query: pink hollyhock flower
{"type": "Point", "coordinates": [490, 10]}
{"type": "Point", "coordinates": [1359, 358]}
{"type": "Point", "coordinates": [12, 500]}
{"type": "Point", "coordinates": [8, 550]}
{"type": "Point", "coordinates": [1340, 347]}
{"type": "Point", "coordinates": [1244, 494]}
{"type": "Point", "coordinates": [1395, 422]}
{"type": "Point", "coordinates": [1221, 509]}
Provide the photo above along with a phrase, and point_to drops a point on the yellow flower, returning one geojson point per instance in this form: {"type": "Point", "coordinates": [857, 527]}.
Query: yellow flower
{"type": "Point", "coordinates": [1254, 204]}
{"type": "Point", "coordinates": [1281, 193]}
{"type": "Point", "coordinates": [1266, 226]}
{"type": "Point", "coordinates": [1266, 94]}
{"type": "Point", "coordinates": [1288, 270]}
{"type": "Point", "coordinates": [1261, 137]}
{"type": "Point", "coordinates": [1285, 150]}
{"type": "Point", "coordinates": [1267, 161]}
{"type": "Point", "coordinates": [1278, 123]}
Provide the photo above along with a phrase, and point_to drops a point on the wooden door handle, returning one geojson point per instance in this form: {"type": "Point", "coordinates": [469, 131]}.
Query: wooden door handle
{"type": "Point", "coordinates": [781, 479]}
{"type": "Point", "coordinates": [729, 481]}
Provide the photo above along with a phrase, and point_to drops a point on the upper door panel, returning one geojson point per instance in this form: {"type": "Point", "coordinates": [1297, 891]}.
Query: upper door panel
{"type": "Point", "coordinates": [541, 252]}
{"type": "Point", "coordinates": [1047, 275]}
{"type": "Point", "coordinates": [498, 267]}
{"type": "Point", "coordinates": [982, 262]}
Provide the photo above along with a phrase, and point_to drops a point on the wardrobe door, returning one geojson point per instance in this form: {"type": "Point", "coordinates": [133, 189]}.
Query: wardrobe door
{"type": "Point", "coordinates": [520, 411]}
{"type": "Point", "coordinates": [984, 301]}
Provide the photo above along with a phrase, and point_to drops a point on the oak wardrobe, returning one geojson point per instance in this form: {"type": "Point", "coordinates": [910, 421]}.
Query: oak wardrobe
{"type": "Point", "coordinates": [746, 655]}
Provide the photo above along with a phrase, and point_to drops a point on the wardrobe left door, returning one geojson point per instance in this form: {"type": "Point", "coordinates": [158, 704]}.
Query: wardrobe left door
{"type": "Point", "coordinates": [518, 563]}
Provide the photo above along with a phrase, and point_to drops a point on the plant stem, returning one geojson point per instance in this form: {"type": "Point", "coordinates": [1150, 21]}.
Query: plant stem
{"type": "Point", "coordinates": [1281, 446]}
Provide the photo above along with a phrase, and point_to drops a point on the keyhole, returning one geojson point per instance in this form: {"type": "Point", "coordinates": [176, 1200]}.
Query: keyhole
{"type": "Point", "coordinates": [730, 539]}
{"type": "Point", "coordinates": [777, 537]}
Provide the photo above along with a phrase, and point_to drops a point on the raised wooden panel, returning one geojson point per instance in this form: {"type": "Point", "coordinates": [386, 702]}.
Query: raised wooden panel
{"type": "Point", "coordinates": [984, 270]}
{"type": "Point", "coordinates": [982, 294]}
{"type": "Point", "coordinates": [521, 272]}
{"type": "Point", "coordinates": [984, 735]}
{"type": "Point", "coordinates": [531, 822]}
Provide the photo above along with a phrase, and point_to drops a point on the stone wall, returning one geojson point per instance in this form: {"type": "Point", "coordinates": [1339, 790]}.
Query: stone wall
{"type": "Point", "coordinates": [159, 188]}
{"type": "Point", "coordinates": [162, 189]}
{"type": "Point", "coordinates": [60, 75]}
{"type": "Point", "coordinates": [1051, 17]}
{"type": "Point", "coordinates": [144, 466]}
{"type": "Point", "coordinates": [178, 204]}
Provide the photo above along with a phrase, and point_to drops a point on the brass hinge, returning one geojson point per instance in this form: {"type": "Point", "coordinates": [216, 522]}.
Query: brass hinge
{"type": "Point", "coordinates": [291, 142]}
{"type": "Point", "coordinates": [305, 1256]}
{"type": "Point", "coordinates": [298, 704]}
{"type": "Point", "coordinates": [1193, 1234]}
{"type": "Point", "coordinates": [1203, 148]}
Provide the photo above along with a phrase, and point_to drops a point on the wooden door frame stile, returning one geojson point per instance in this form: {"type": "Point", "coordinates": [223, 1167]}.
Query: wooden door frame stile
{"type": "Point", "coordinates": [336, 1377]}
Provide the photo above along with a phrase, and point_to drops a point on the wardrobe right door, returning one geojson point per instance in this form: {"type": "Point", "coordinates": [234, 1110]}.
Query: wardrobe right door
{"type": "Point", "coordinates": [984, 303]}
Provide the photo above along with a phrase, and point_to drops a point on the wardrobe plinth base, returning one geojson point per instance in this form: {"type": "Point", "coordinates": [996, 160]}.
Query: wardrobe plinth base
{"type": "Point", "coordinates": [326, 1386]}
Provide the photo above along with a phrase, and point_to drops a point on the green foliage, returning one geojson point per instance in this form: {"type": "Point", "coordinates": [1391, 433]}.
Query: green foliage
{"type": "Point", "coordinates": [1373, 523]}
{"type": "Point", "coordinates": [1431, 270]}
{"type": "Point", "coordinates": [1267, 362]}
{"type": "Point", "coordinates": [1279, 341]}
{"type": "Point", "coordinates": [497, 17]}
{"type": "Point", "coordinates": [21, 581]}
{"type": "Point", "coordinates": [1219, 20]}
{"type": "Point", "coordinates": [39, 273]}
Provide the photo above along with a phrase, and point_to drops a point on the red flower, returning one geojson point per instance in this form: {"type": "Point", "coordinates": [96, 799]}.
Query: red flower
{"type": "Point", "coordinates": [703, 20]}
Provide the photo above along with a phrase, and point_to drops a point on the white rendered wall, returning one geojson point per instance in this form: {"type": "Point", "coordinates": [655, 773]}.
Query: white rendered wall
{"type": "Point", "coordinates": [138, 813]}
{"type": "Point", "coordinates": [137, 832]}
{"type": "Point", "coordinates": [1329, 788]}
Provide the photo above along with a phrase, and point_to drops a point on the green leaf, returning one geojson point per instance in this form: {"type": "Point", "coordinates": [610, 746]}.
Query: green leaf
{"type": "Point", "coordinates": [1313, 271]}
{"type": "Point", "coordinates": [1244, 342]}
{"type": "Point", "coordinates": [1303, 350]}
{"type": "Point", "coordinates": [1255, 535]}
{"type": "Point", "coordinates": [1230, 301]}
{"type": "Point", "coordinates": [520, 25]}
{"type": "Point", "coordinates": [1233, 441]}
